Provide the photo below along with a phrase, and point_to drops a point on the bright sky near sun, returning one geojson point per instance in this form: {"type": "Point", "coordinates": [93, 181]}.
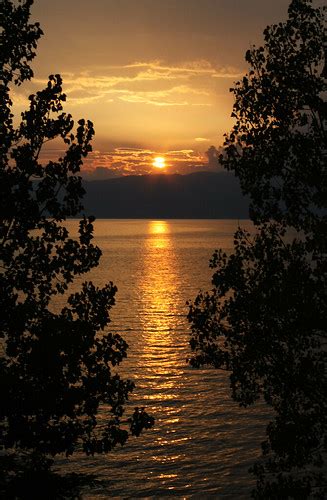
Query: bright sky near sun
{"type": "Point", "coordinates": [153, 75]}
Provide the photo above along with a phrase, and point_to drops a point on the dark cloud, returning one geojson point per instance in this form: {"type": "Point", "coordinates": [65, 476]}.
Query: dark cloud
{"type": "Point", "coordinates": [213, 158]}
{"type": "Point", "coordinates": [102, 173]}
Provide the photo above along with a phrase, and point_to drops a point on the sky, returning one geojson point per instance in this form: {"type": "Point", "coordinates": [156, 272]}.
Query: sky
{"type": "Point", "coordinates": [153, 75]}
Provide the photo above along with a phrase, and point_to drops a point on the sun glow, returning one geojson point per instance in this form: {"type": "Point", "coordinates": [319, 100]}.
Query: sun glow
{"type": "Point", "coordinates": [159, 162]}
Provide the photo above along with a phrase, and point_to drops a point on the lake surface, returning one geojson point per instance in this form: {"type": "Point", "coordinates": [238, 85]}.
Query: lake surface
{"type": "Point", "coordinates": [202, 443]}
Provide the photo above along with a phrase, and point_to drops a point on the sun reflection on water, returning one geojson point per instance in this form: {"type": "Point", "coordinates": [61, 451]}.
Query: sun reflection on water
{"type": "Point", "coordinates": [159, 235]}
{"type": "Point", "coordinates": [158, 227]}
{"type": "Point", "coordinates": [160, 317]}
{"type": "Point", "coordinates": [159, 286]}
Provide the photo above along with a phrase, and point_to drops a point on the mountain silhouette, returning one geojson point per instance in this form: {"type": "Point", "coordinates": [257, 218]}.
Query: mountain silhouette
{"type": "Point", "coordinates": [200, 195]}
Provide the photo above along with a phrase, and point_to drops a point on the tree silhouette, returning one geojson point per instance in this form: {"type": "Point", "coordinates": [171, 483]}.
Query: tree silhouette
{"type": "Point", "coordinates": [56, 368]}
{"type": "Point", "coordinates": [264, 321]}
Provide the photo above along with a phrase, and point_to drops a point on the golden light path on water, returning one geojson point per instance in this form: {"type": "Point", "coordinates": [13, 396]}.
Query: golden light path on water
{"type": "Point", "coordinates": [158, 288]}
{"type": "Point", "coordinates": [202, 443]}
{"type": "Point", "coordinates": [159, 312]}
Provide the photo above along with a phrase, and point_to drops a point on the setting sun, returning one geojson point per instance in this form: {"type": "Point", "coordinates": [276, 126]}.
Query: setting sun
{"type": "Point", "coordinates": [159, 162]}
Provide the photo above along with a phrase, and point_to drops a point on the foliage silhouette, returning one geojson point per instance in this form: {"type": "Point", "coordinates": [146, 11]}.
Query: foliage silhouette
{"type": "Point", "coordinates": [265, 318]}
{"type": "Point", "coordinates": [56, 368]}
{"type": "Point", "coordinates": [27, 476]}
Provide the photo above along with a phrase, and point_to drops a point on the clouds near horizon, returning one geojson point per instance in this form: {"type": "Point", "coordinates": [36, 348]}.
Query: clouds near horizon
{"type": "Point", "coordinates": [152, 76]}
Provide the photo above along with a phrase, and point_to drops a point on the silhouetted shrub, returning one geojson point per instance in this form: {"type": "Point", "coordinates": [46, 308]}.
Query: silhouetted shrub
{"type": "Point", "coordinates": [265, 319]}
{"type": "Point", "coordinates": [56, 368]}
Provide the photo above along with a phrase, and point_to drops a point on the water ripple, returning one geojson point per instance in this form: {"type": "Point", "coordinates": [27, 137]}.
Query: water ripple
{"type": "Point", "coordinates": [202, 443]}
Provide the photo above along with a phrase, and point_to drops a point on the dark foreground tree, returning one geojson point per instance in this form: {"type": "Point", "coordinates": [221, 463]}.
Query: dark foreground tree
{"type": "Point", "coordinates": [56, 367]}
{"type": "Point", "coordinates": [265, 319]}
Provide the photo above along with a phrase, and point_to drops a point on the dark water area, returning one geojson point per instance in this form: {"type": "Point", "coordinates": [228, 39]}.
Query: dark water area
{"type": "Point", "coordinates": [202, 443]}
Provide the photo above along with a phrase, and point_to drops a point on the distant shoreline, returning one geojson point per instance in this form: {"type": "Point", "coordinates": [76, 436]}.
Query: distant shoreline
{"type": "Point", "coordinates": [202, 195]}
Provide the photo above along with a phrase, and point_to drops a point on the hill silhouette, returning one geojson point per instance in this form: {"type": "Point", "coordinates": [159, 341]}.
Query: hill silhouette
{"type": "Point", "coordinates": [200, 195]}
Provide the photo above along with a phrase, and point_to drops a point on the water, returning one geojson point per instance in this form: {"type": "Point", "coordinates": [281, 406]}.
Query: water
{"type": "Point", "coordinates": [202, 444]}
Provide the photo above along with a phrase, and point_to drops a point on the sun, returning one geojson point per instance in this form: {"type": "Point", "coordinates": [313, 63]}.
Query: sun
{"type": "Point", "coordinates": [159, 162]}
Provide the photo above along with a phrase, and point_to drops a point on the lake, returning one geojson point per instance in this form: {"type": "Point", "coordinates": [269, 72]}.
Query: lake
{"type": "Point", "coordinates": [202, 443]}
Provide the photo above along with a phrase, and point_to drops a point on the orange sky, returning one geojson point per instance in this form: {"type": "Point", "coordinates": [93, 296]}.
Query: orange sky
{"type": "Point", "coordinates": [153, 75]}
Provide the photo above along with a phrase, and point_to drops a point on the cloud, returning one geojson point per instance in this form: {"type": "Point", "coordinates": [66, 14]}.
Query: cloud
{"type": "Point", "coordinates": [151, 82]}
{"type": "Point", "coordinates": [102, 173]}
{"type": "Point", "coordinates": [122, 161]}
{"type": "Point", "coordinates": [126, 160]}
{"type": "Point", "coordinates": [213, 157]}
{"type": "Point", "coordinates": [138, 161]}
{"type": "Point", "coordinates": [169, 97]}
{"type": "Point", "coordinates": [193, 68]}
